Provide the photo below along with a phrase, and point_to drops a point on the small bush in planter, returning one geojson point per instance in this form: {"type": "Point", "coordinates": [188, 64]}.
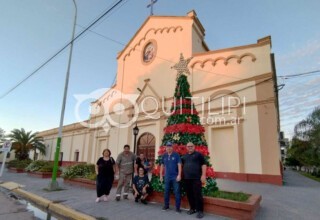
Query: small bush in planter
{"type": "Point", "coordinates": [47, 168]}
{"type": "Point", "coordinates": [79, 170]}
{"type": "Point", "coordinates": [37, 165]}
{"type": "Point", "coordinates": [92, 176]}
{"type": "Point", "coordinates": [19, 164]}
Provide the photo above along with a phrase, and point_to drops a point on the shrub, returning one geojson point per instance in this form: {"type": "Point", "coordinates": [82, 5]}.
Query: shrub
{"type": "Point", "coordinates": [316, 173]}
{"type": "Point", "coordinates": [37, 165]}
{"type": "Point", "coordinates": [79, 170]}
{"type": "Point", "coordinates": [47, 167]}
{"type": "Point", "coordinates": [92, 176]}
{"type": "Point", "coordinates": [19, 164]}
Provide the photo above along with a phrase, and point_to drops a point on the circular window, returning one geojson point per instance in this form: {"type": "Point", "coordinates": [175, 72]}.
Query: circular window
{"type": "Point", "coordinates": [149, 52]}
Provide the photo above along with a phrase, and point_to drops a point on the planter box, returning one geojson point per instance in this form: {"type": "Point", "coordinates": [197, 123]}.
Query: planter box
{"type": "Point", "coordinates": [91, 184]}
{"type": "Point", "coordinates": [16, 170]}
{"type": "Point", "coordinates": [42, 174]}
{"type": "Point", "coordinates": [228, 208]}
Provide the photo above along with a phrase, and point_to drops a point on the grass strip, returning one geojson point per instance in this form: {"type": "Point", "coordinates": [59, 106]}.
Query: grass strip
{"type": "Point", "coordinates": [235, 196]}
{"type": "Point", "coordinates": [309, 176]}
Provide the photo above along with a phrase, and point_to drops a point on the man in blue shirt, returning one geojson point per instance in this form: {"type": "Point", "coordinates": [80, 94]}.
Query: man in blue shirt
{"type": "Point", "coordinates": [172, 163]}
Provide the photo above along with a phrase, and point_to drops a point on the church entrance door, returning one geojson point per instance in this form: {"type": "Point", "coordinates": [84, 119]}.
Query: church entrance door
{"type": "Point", "coordinates": [146, 145]}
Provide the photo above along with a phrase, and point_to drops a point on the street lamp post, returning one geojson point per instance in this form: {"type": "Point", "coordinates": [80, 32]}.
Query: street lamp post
{"type": "Point", "coordinates": [135, 133]}
{"type": "Point", "coordinates": [53, 185]}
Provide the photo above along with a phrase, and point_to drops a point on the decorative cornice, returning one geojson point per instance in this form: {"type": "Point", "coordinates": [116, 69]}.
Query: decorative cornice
{"type": "Point", "coordinates": [224, 59]}
{"type": "Point", "coordinates": [266, 39]}
{"type": "Point", "coordinates": [66, 128]}
{"type": "Point", "coordinates": [147, 84]}
{"type": "Point", "coordinates": [155, 31]}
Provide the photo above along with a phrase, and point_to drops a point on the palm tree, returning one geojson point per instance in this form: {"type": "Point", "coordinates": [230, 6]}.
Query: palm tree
{"type": "Point", "coordinates": [23, 142]}
{"type": "Point", "coordinates": [1, 135]}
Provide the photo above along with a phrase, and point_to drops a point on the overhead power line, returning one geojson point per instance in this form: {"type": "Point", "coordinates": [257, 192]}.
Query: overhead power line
{"type": "Point", "coordinates": [120, 43]}
{"type": "Point", "coordinates": [63, 48]}
{"type": "Point", "coordinates": [299, 74]}
{"type": "Point", "coordinates": [234, 92]}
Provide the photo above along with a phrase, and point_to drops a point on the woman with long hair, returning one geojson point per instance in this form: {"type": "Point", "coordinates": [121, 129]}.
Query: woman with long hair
{"type": "Point", "coordinates": [105, 169]}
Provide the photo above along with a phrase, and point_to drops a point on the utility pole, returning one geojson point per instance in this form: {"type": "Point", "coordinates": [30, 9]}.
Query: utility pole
{"type": "Point", "coordinates": [53, 185]}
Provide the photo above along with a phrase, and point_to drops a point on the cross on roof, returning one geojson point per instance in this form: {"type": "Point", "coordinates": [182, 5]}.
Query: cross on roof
{"type": "Point", "coordinates": [151, 6]}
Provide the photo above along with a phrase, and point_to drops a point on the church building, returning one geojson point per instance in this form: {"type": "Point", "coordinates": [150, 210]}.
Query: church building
{"type": "Point", "coordinates": [233, 89]}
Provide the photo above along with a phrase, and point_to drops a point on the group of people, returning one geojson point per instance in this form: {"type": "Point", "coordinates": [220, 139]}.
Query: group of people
{"type": "Point", "coordinates": [124, 168]}
{"type": "Point", "coordinates": [191, 167]}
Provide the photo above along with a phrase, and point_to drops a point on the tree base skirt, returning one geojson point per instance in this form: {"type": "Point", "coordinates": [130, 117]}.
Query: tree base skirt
{"type": "Point", "coordinates": [223, 207]}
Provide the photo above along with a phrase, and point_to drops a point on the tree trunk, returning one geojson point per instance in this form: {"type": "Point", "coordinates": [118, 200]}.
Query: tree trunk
{"type": "Point", "coordinates": [23, 156]}
{"type": "Point", "coordinates": [34, 154]}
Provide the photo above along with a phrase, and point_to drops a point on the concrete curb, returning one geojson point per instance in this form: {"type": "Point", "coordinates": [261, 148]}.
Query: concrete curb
{"type": "Point", "coordinates": [68, 212]}
{"type": "Point", "coordinates": [60, 209]}
{"type": "Point", "coordinates": [34, 198]}
{"type": "Point", "coordinates": [10, 185]}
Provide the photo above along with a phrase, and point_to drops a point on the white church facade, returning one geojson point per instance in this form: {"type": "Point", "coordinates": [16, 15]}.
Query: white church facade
{"type": "Point", "coordinates": [234, 91]}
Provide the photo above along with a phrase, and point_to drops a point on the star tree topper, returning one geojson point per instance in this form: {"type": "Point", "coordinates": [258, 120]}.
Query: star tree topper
{"type": "Point", "coordinates": [182, 66]}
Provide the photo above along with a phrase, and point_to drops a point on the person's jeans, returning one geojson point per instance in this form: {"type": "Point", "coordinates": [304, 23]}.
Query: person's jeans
{"type": "Point", "coordinates": [168, 183]}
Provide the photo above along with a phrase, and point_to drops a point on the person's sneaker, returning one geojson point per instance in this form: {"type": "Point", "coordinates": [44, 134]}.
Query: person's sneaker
{"type": "Point", "coordinates": [136, 199]}
{"type": "Point", "coordinates": [200, 215]}
{"type": "Point", "coordinates": [178, 210]}
{"type": "Point", "coordinates": [144, 201]}
{"type": "Point", "coordinates": [165, 208]}
{"type": "Point", "coordinates": [105, 198]}
{"type": "Point", "coordinates": [191, 211]}
{"type": "Point", "coordinates": [117, 198]}
{"type": "Point", "coordinates": [97, 199]}
{"type": "Point", "coordinates": [125, 197]}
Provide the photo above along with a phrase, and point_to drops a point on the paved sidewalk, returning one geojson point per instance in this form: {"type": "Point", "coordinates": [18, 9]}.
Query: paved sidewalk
{"type": "Point", "coordinates": [83, 200]}
{"type": "Point", "coordinates": [298, 199]}
{"type": "Point", "coordinates": [10, 209]}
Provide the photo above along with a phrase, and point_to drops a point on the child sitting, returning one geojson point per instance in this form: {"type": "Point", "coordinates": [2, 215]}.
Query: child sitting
{"type": "Point", "coordinates": [141, 186]}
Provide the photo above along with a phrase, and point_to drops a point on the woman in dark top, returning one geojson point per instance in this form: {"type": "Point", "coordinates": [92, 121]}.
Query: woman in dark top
{"type": "Point", "coordinates": [143, 162]}
{"type": "Point", "coordinates": [105, 169]}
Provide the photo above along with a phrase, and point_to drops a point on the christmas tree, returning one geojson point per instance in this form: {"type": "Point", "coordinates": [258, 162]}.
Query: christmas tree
{"type": "Point", "coordinates": [183, 126]}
